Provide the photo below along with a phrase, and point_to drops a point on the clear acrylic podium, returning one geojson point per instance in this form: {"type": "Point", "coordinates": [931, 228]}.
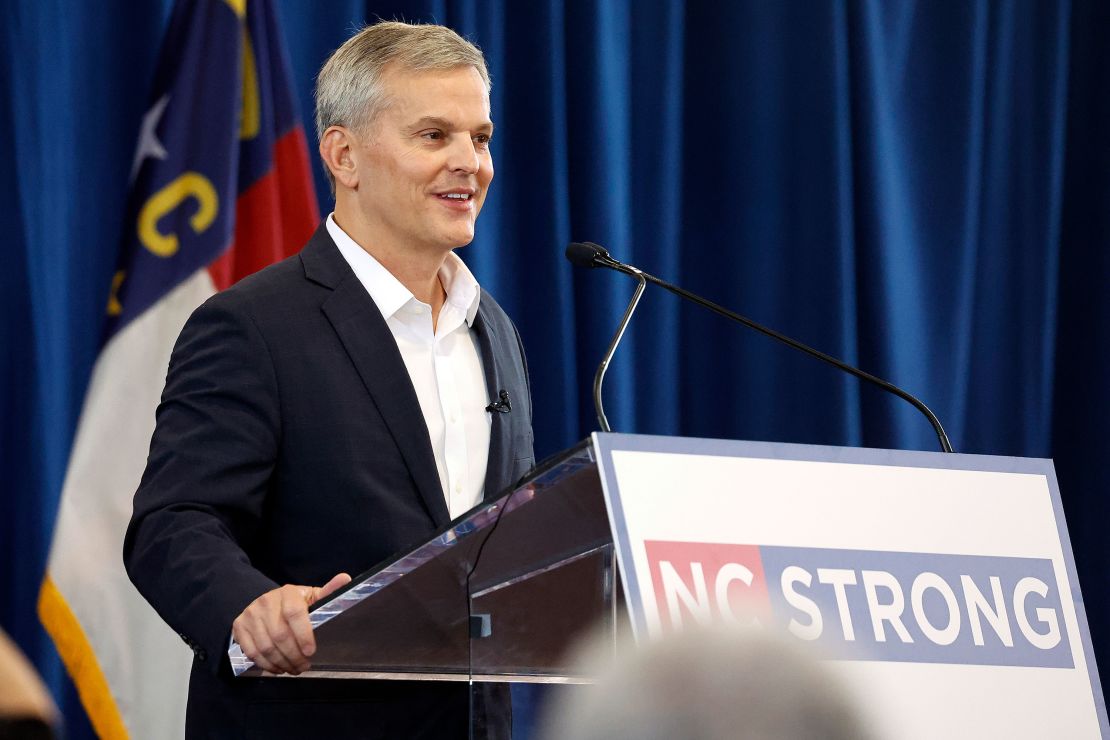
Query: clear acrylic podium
{"type": "Point", "coordinates": [499, 596]}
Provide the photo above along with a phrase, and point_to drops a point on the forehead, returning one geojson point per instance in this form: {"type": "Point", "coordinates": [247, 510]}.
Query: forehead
{"type": "Point", "coordinates": [455, 93]}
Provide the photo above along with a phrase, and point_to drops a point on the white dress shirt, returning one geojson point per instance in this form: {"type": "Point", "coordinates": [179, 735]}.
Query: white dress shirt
{"type": "Point", "coordinates": [444, 365]}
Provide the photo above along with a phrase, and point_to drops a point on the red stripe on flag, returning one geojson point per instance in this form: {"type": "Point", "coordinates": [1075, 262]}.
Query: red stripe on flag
{"type": "Point", "coordinates": [274, 217]}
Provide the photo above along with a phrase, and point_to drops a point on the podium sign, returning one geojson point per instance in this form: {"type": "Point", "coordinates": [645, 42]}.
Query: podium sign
{"type": "Point", "coordinates": [941, 587]}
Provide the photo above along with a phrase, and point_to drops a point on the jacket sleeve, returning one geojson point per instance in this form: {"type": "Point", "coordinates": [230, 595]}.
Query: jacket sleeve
{"type": "Point", "coordinates": [200, 504]}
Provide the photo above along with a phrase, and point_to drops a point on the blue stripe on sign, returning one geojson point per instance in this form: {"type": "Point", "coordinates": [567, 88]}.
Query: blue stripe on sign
{"type": "Point", "coordinates": [920, 607]}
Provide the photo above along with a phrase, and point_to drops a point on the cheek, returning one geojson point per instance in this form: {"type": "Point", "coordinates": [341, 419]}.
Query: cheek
{"type": "Point", "coordinates": [484, 179]}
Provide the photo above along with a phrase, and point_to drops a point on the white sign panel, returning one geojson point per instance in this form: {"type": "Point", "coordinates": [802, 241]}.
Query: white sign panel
{"type": "Point", "coordinates": [942, 587]}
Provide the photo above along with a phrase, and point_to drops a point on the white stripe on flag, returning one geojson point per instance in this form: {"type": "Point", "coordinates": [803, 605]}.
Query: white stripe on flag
{"type": "Point", "coordinates": [145, 664]}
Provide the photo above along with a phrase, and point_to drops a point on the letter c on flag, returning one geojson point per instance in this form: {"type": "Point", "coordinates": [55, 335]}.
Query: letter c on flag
{"type": "Point", "coordinates": [187, 185]}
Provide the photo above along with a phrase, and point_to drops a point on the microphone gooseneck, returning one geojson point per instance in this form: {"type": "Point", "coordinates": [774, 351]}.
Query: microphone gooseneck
{"type": "Point", "coordinates": [588, 254]}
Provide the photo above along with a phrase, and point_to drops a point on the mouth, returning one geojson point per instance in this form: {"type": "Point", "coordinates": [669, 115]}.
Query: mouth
{"type": "Point", "coordinates": [461, 199]}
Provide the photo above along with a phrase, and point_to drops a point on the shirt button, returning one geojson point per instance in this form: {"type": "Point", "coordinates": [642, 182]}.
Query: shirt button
{"type": "Point", "coordinates": [458, 488]}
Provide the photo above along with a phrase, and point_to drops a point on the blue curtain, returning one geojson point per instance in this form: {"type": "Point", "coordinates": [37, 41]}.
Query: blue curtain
{"type": "Point", "coordinates": [920, 188]}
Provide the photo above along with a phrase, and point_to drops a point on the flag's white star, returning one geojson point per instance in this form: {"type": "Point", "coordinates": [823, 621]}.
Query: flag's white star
{"type": "Point", "coordinates": [149, 146]}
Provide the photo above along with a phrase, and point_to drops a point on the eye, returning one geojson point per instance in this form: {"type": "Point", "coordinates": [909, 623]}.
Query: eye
{"type": "Point", "coordinates": [434, 135]}
{"type": "Point", "coordinates": [482, 140]}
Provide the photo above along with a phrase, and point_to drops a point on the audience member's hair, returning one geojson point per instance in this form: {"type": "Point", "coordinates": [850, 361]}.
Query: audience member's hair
{"type": "Point", "coordinates": [709, 684]}
{"type": "Point", "coordinates": [26, 710]}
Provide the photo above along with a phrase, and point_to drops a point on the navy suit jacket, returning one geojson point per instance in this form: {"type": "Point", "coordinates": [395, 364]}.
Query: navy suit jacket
{"type": "Point", "coordinates": [289, 447]}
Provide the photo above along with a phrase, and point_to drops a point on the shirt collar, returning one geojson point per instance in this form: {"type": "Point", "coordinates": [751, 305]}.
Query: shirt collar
{"type": "Point", "coordinates": [389, 294]}
{"type": "Point", "coordinates": [463, 291]}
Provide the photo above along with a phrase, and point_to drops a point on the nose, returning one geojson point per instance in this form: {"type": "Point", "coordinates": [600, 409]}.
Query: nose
{"type": "Point", "coordinates": [463, 156]}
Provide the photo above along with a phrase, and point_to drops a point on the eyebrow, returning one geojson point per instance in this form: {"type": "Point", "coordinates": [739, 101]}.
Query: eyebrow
{"type": "Point", "coordinates": [443, 123]}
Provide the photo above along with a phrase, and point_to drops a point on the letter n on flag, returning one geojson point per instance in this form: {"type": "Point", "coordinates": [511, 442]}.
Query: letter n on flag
{"type": "Point", "coordinates": [220, 187]}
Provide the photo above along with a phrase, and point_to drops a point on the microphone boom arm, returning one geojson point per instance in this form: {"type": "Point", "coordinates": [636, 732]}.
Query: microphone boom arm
{"type": "Point", "coordinates": [889, 387]}
{"type": "Point", "coordinates": [587, 254]}
{"type": "Point", "coordinates": [599, 376]}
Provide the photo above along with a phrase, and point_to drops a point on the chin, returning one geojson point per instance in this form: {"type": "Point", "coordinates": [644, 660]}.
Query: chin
{"type": "Point", "coordinates": [460, 239]}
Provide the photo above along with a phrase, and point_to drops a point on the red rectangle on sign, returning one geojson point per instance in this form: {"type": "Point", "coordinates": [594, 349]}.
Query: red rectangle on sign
{"type": "Point", "coordinates": [707, 582]}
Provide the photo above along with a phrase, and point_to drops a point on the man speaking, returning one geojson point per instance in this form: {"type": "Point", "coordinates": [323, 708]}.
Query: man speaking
{"type": "Point", "coordinates": [329, 412]}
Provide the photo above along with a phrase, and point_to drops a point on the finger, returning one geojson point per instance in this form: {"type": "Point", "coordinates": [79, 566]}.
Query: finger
{"type": "Point", "coordinates": [295, 613]}
{"type": "Point", "coordinates": [268, 652]}
{"type": "Point", "coordinates": [250, 648]}
{"type": "Point", "coordinates": [278, 643]}
{"type": "Point", "coordinates": [270, 666]}
{"type": "Point", "coordinates": [262, 624]}
{"type": "Point", "coordinates": [281, 661]}
{"type": "Point", "coordinates": [337, 582]}
{"type": "Point", "coordinates": [260, 660]}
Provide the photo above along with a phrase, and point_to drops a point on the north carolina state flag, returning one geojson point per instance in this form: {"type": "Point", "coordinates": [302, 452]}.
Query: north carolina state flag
{"type": "Point", "coordinates": [221, 187]}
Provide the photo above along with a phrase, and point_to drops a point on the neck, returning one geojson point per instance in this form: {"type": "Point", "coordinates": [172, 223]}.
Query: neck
{"type": "Point", "coordinates": [416, 269]}
{"type": "Point", "coordinates": [421, 277]}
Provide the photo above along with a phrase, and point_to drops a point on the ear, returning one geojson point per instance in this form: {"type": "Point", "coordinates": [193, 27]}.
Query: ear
{"type": "Point", "coordinates": [338, 150]}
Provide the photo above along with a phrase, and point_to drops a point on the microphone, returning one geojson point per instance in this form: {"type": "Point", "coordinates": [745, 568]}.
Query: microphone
{"type": "Point", "coordinates": [502, 405]}
{"type": "Point", "coordinates": [588, 254]}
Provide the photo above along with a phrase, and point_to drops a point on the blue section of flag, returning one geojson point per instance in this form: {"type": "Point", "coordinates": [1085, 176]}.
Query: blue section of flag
{"type": "Point", "coordinates": [195, 158]}
{"type": "Point", "coordinates": [278, 110]}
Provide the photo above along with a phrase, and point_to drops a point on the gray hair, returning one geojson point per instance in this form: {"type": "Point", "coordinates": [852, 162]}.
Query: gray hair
{"type": "Point", "coordinates": [706, 684]}
{"type": "Point", "coordinates": [349, 90]}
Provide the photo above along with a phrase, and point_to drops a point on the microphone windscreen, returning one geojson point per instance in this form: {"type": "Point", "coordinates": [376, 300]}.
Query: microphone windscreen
{"type": "Point", "coordinates": [584, 254]}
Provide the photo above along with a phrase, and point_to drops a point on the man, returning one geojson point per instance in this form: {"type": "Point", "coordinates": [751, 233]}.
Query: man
{"type": "Point", "coordinates": [329, 412]}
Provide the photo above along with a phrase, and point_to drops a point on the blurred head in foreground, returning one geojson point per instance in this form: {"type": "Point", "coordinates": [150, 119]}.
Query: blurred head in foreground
{"type": "Point", "coordinates": [708, 684]}
{"type": "Point", "coordinates": [26, 711]}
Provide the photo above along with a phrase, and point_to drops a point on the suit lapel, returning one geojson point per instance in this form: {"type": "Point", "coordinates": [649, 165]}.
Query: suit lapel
{"type": "Point", "coordinates": [373, 350]}
{"type": "Point", "coordinates": [489, 344]}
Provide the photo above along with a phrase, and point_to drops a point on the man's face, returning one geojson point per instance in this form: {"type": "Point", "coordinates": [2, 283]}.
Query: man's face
{"type": "Point", "coordinates": [424, 163]}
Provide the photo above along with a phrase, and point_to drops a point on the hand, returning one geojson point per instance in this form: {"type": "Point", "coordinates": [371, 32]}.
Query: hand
{"type": "Point", "coordinates": [274, 630]}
